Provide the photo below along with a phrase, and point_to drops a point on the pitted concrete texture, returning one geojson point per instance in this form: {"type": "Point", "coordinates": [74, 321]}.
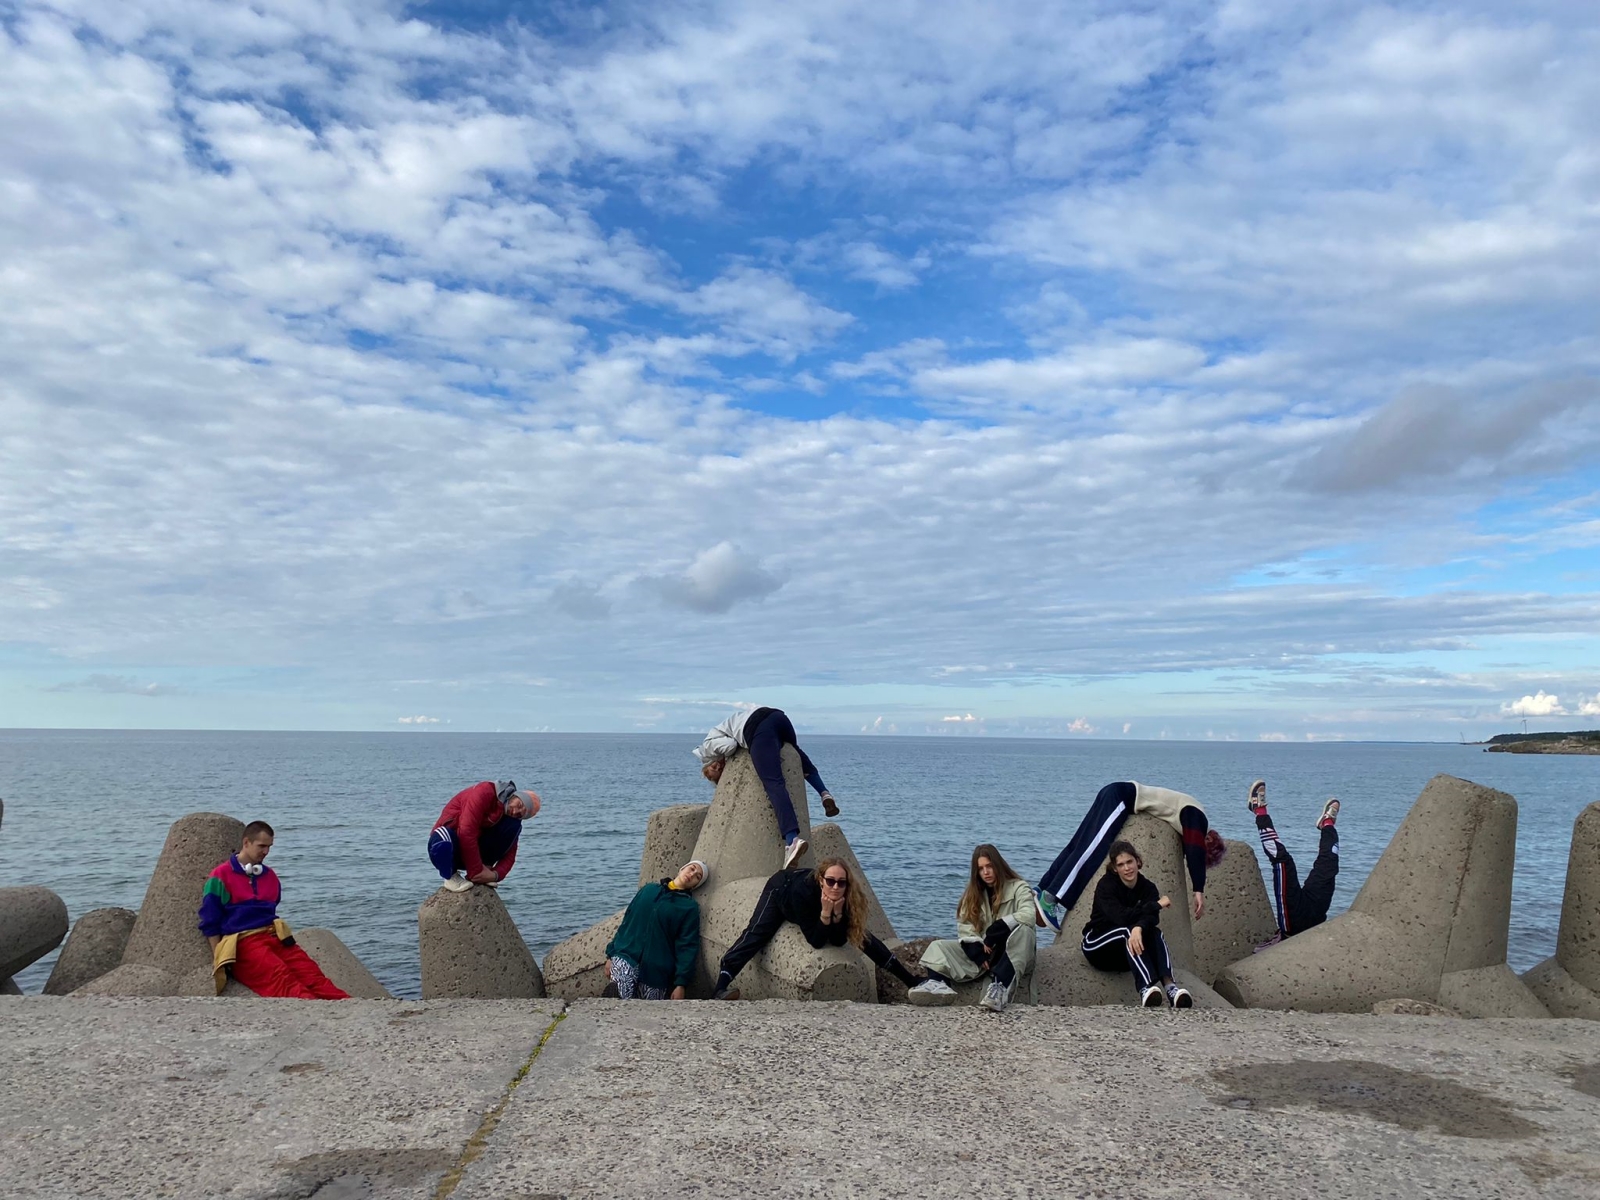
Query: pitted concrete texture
{"type": "Point", "coordinates": [1437, 904]}
{"type": "Point", "coordinates": [471, 949]}
{"type": "Point", "coordinates": [1162, 851]}
{"type": "Point", "coordinates": [1578, 942]}
{"type": "Point", "coordinates": [829, 841]}
{"type": "Point", "coordinates": [576, 968]}
{"type": "Point", "coordinates": [1559, 992]}
{"type": "Point", "coordinates": [1238, 914]}
{"type": "Point", "coordinates": [33, 920]}
{"type": "Point", "coordinates": [1062, 976]}
{"type": "Point", "coordinates": [8, 987]}
{"type": "Point", "coordinates": [669, 838]}
{"type": "Point", "coordinates": [93, 947]}
{"type": "Point", "coordinates": [340, 964]}
{"type": "Point", "coordinates": [1410, 1008]}
{"type": "Point", "coordinates": [740, 839]}
{"type": "Point", "coordinates": [822, 1100]}
{"type": "Point", "coordinates": [251, 1098]}
{"type": "Point", "coordinates": [134, 979]}
{"type": "Point", "coordinates": [788, 969]}
{"type": "Point", "coordinates": [165, 934]}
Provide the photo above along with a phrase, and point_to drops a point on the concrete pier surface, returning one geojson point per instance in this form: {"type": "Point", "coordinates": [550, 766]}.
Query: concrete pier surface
{"type": "Point", "coordinates": [105, 1097]}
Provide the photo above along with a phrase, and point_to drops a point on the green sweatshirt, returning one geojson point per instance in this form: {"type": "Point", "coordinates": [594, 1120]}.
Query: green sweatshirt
{"type": "Point", "coordinates": [660, 934]}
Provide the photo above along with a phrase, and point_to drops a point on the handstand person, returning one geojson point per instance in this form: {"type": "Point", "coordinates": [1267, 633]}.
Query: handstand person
{"type": "Point", "coordinates": [475, 838]}
{"type": "Point", "coordinates": [239, 917]}
{"type": "Point", "coordinates": [1064, 882]}
{"type": "Point", "coordinates": [764, 732]}
{"type": "Point", "coordinates": [1124, 932]}
{"type": "Point", "coordinates": [1300, 906]}
{"type": "Point", "coordinates": [829, 909]}
{"type": "Point", "coordinates": [651, 956]}
{"type": "Point", "coordinates": [996, 933]}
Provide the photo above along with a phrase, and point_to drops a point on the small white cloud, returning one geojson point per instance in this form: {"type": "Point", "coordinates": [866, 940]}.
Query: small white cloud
{"type": "Point", "coordinates": [717, 580]}
{"type": "Point", "coordinates": [879, 725]}
{"type": "Point", "coordinates": [1589, 706]}
{"type": "Point", "coordinates": [115, 685]}
{"type": "Point", "coordinates": [1080, 725]}
{"type": "Point", "coordinates": [1539, 705]}
{"type": "Point", "coordinates": [958, 719]}
{"type": "Point", "coordinates": [1127, 727]}
{"type": "Point", "coordinates": [419, 720]}
{"type": "Point", "coordinates": [1273, 737]}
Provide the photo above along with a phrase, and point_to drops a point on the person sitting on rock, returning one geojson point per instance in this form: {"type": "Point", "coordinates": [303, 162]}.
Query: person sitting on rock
{"type": "Point", "coordinates": [475, 838]}
{"type": "Point", "coordinates": [827, 905]}
{"type": "Point", "coordinates": [764, 732]}
{"type": "Point", "coordinates": [239, 917]}
{"type": "Point", "coordinates": [1124, 932]}
{"type": "Point", "coordinates": [996, 932]}
{"type": "Point", "coordinates": [651, 956]}
{"type": "Point", "coordinates": [1300, 906]}
{"type": "Point", "coordinates": [1064, 882]}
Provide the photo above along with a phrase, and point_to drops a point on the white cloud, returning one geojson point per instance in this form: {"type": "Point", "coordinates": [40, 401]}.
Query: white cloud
{"type": "Point", "coordinates": [1589, 706]}
{"type": "Point", "coordinates": [115, 685]}
{"type": "Point", "coordinates": [1080, 725]}
{"type": "Point", "coordinates": [1538, 705]}
{"type": "Point", "coordinates": [418, 720]}
{"type": "Point", "coordinates": [716, 580]}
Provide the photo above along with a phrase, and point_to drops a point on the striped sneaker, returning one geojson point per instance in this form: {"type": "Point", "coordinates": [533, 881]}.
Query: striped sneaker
{"type": "Point", "coordinates": [1330, 813]}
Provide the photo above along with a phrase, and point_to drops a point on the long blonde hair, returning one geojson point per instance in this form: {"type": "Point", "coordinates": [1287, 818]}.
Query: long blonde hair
{"type": "Point", "coordinates": [855, 903]}
{"type": "Point", "coordinates": [970, 910]}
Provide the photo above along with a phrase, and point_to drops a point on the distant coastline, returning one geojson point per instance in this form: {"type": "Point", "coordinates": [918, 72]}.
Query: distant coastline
{"type": "Point", "coordinates": [1582, 741]}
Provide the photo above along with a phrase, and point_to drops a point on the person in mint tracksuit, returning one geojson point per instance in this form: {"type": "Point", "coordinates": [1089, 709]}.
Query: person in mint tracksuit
{"type": "Point", "coordinates": [652, 955]}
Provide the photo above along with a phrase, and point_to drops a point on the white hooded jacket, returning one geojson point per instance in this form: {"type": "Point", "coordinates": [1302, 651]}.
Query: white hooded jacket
{"type": "Point", "coordinates": [726, 738]}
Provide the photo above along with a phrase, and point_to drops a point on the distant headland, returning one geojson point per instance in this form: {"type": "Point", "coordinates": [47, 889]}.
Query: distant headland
{"type": "Point", "coordinates": [1582, 741]}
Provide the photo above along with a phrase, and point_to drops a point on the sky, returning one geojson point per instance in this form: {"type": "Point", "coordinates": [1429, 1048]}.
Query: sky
{"type": "Point", "coordinates": [1186, 369]}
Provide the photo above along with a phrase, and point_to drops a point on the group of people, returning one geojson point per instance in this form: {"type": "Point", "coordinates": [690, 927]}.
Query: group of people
{"type": "Point", "coordinates": [653, 953]}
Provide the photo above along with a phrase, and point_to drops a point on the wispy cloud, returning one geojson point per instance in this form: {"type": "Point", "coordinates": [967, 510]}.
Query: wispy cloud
{"type": "Point", "coordinates": [115, 685]}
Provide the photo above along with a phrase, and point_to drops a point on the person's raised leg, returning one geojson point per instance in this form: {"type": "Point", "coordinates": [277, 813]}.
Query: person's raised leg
{"type": "Point", "coordinates": [260, 969]}
{"type": "Point", "coordinates": [765, 922]}
{"type": "Point", "coordinates": [1316, 894]}
{"type": "Point", "coordinates": [304, 968]}
{"type": "Point", "coordinates": [1075, 865]}
{"type": "Point", "coordinates": [766, 755]}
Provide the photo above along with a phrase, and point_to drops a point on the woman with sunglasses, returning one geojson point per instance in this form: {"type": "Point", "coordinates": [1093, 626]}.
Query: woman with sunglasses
{"type": "Point", "coordinates": [996, 933]}
{"type": "Point", "coordinates": [829, 909]}
{"type": "Point", "coordinates": [1124, 931]}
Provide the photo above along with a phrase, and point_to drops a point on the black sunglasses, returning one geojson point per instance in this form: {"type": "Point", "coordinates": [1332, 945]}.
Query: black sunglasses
{"type": "Point", "coordinates": [832, 882]}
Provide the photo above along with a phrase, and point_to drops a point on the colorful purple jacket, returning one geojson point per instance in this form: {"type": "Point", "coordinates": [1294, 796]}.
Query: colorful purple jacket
{"type": "Point", "coordinates": [234, 901]}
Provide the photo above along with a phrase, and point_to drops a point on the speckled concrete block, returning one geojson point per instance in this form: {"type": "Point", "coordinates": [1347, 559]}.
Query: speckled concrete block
{"type": "Point", "coordinates": [135, 979]}
{"type": "Point", "coordinates": [340, 965]}
{"type": "Point", "coordinates": [1489, 992]}
{"type": "Point", "coordinates": [33, 920]}
{"type": "Point", "coordinates": [576, 968]}
{"type": "Point", "coordinates": [669, 839]}
{"type": "Point", "coordinates": [1238, 915]}
{"type": "Point", "coordinates": [471, 949]}
{"type": "Point", "coordinates": [93, 947]}
{"type": "Point", "coordinates": [1578, 942]}
{"type": "Point", "coordinates": [829, 841]}
{"type": "Point", "coordinates": [1162, 851]}
{"type": "Point", "coordinates": [1560, 993]}
{"type": "Point", "coordinates": [788, 969]}
{"type": "Point", "coordinates": [166, 935]}
{"type": "Point", "coordinates": [740, 839]}
{"type": "Point", "coordinates": [1063, 977]}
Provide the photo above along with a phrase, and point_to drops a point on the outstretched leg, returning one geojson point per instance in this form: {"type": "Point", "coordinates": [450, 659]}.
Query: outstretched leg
{"type": "Point", "coordinates": [766, 755]}
{"type": "Point", "coordinates": [1316, 894]}
{"type": "Point", "coordinates": [764, 925]}
{"type": "Point", "coordinates": [1285, 876]}
{"type": "Point", "coordinates": [304, 968]}
{"type": "Point", "coordinates": [883, 957]}
{"type": "Point", "coordinates": [1073, 867]}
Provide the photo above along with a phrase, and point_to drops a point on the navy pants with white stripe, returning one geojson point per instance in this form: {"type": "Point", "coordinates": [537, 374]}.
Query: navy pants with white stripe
{"type": "Point", "coordinates": [1109, 951]}
{"type": "Point", "coordinates": [1303, 906]}
{"type": "Point", "coordinates": [493, 843]}
{"type": "Point", "coordinates": [1077, 864]}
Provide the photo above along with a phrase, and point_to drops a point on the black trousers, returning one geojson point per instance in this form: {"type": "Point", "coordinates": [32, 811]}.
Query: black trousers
{"type": "Point", "coordinates": [1108, 950]}
{"type": "Point", "coordinates": [767, 741]}
{"type": "Point", "coordinates": [1303, 906]}
{"type": "Point", "coordinates": [1076, 865]}
{"type": "Point", "coordinates": [764, 924]}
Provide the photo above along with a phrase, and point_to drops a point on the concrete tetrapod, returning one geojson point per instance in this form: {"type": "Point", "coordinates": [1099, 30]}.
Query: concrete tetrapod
{"type": "Point", "coordinates": [1569, 983]}
{"type": "Point", "coordinates": [471, 949]}
{"type": "Point", "coordinates": [340, 965]}
{"type": "Point", "coordinates": [1238, 914]}
{"type": "Point", "coordinates": [166, 935]}
{"type": "Point", "coordinates": [829, 841]}
{"type": "Point", "coordinates": [93, 948]}
{"type": "Point", "coordinates": [1431, 922]}
{"type": "Point", "coordinates": [33, 920]}
{"type": "Point", "coordinates": [669, 838]}
{"type": "Point", "coordinates": [576, 968]}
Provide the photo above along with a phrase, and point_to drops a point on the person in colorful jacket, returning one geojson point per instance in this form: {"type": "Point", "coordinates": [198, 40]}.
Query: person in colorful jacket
{"type": "Point", "coordinates": [997, 934]}
{"type": "Point", "coordinates": [475, 838]}
{"type": "Point", "coordinates": [239, 917]}
{"type": "Point", "coordinates": [652, 955]}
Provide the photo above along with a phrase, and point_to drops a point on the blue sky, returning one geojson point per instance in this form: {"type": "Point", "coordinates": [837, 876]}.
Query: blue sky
{"type": "Point", "coordinates": [1187, 370]}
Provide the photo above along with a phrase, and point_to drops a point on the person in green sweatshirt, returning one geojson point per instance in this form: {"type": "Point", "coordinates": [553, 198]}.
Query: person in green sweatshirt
{"type": "Point", "coordinates": [652, 955]}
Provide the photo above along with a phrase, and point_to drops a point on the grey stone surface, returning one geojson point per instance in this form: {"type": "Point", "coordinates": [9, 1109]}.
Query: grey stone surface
{"type": "Point", "coordinates": [829, 841]}
{"type": "Point", "coordinates": [669, 838]}
{"type": "Point", "coordinates": [8, 987]}
{"type": "Point", "coordinates": [471, 949]}
{"type": "Point", "coordinates": [1238, 914]}
{"type": "Point", "coordinates": [788, 969]}
{"type": "Point", "coordinates": [33, 920]}
{"type": "Point", "coordinates": [576, 968]}
{"type": "Point", "coordinates": [1063, 977]}
{"type": "Point", "coordinates": [1411, 1008]}
{"type": "Point", "coordinates": [251, 1099]}
{"type": "Point", "coordinates": [135, 979]}
{"type": "Point", "coordinates": [1162, 851]}
{"type": "Point", "coordinates": [93, 947]}
{"type": "Point", "coordinates": [1437, 904]}
{"type": "Point", "coordinates": [1560, 993]}
{"type": "Point", "coordinates": [786, 1100]}
{"type": "Point", "coordinates": [1578, 942]}
{"type": "Point", "coordinates": [740, 839]}
{"type": "Point", "coordinates": [165, 934]}
{"type": "Point", "coordinates": [340, 964]}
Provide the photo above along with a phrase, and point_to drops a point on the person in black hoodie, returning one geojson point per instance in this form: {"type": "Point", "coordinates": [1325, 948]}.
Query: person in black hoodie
{"type": "Point", "coordinates": [830, 910]}
{"type": "Point", "coordinates": [1124, 931]}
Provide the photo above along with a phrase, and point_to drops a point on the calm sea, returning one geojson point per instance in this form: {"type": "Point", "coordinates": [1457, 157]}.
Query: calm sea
{"type": "Point", "coordinates": [86, 813]}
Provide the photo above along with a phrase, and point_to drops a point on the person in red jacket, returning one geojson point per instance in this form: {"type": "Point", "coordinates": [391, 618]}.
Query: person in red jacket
{"type": "Point", "coordinates": [475, 838]}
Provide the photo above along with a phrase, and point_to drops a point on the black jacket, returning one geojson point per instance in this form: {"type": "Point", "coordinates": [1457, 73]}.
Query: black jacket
{"type": "Point", "coordinates": [800, 898]}
{"type": "Point", "coordinates": [1117, 906]}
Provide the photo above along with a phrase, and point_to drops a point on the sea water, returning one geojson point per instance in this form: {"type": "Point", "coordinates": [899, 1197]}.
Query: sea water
{"type": "Point", "coordinates": [86, 813]}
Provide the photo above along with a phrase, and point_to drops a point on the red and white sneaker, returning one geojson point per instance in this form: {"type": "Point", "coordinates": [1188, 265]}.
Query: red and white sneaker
{"type": "Point", "coordinates": [1330, 813]}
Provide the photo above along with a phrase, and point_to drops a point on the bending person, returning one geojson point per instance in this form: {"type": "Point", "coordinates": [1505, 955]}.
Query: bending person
{"type": "Point", "coordinates": [829, 909]}
{"type": "Point", "coordinates": [996, 933]}
{"type": "Point", "coordinates": [239, 917]}
{"type": "Point", "coordinates": [475, 838]}
{"type": "Point", "coordinates": [1300, 906]}
{"type": "Point", "coordinates": [652, 955]}
{"type": "Point", "coordinates": [1064, 882]}
{"type": "Point", "coordinates": [1124, 931]}
{"type": "Point", "coordinates": [764, 732]}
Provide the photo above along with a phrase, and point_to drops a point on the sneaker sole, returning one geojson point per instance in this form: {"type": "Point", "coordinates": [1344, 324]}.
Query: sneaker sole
{"type": "Point", "coordinates": [1183, 1002]}
{"type": "Point", "coordinates": [1154, 1002]}
{"type": "Point", "coordinates": [800, 848]}
{"type": "Point", "coordinates": [729, 995]}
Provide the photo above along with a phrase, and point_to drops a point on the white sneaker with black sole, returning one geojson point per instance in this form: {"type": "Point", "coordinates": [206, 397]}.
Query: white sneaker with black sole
{"type": "Point", "coordinates": [1151, 996]}
{"type": "Point", "coordinates": [931, 992]}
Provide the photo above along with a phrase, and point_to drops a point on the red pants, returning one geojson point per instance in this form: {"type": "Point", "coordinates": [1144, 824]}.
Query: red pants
{"type": "Point", "coordinates": [269, 968]}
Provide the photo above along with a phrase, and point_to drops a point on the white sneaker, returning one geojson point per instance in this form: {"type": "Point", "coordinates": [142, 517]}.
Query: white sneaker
{"type": "Point", "coordinates": [794, 850]}
{"type": "Point", "coordinates": [1151, 996]}
{"type": "Point", "coordinates": [931, 992]}
{"type": "Point", "coordinates": [995, 996]}
{"type": "Point", "coordinates": [1179, 997]}
{"type": "Point", "coordinates": [456, 883]}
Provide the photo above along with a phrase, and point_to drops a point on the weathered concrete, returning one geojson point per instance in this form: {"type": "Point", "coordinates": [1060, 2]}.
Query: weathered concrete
{"type": "Point", "coordinates": [1437, 905]}
{"type": "Point", "coordinates": [669, 838]}
{"type": "Point", "coordinates": [33, 920]}
{"type": "Point", "coordinates": [1569, 983]}
{"type": "Point", "coordinates": [1411, 1008]}
{"type": "Point", "coordinates": [1238, 915]}
{"type": "Point", "coordinates": [165, 934]}
{"type": "Point", "coordinates": [94, 947]}
{"type": "Point", "coordinates": [8, 987]}
{"type": "Point", "coordinates": [576, 968]}
{"type": "Point", "coordinates": [829, 841]}
{"type": "Point", "coordinates": [134, 979]}
{"type": "Point", "coordinates": [1559, 992]}
{"type": "Point", "coordinates": [788, 969]}
{"type": "Point", "coordinates": [471, 949]}
{"type": "Point", "coordinates": [340, 964]}
{"type": "Point", "coordinates": [1063, 977]}
{"type": "Point", "coordinates": [739, 838]}
{"type": "Point", "coordinates": [1162, 851]}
